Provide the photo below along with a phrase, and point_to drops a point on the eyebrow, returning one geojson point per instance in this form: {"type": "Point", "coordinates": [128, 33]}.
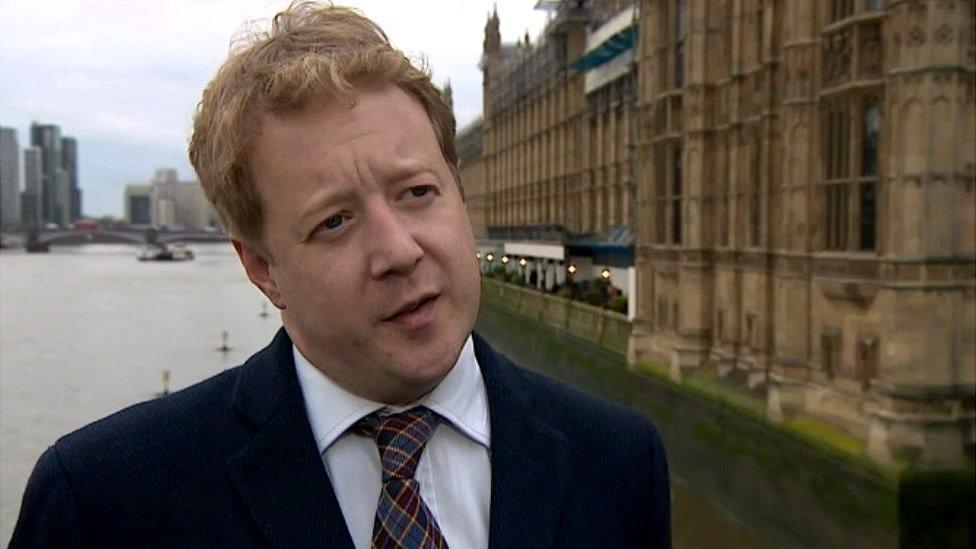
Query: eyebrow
{"type": "Point", "coordinates": [404, 170]}
{"type": "Point", "coordinates": [331, 193]}
{"type": "Point", "coordinates": [321, 199]}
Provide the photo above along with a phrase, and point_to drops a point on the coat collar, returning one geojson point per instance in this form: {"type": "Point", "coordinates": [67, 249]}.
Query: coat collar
{"type": "Point", "coordinates": [528, 458]}
{"type": "Point", "coordinates": [279, 473]}
{"type": "Point", "coordinates": [280, 477]}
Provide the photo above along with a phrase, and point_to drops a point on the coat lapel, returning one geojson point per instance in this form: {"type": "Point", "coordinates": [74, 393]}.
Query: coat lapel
{"type": "Point", "coordinates": [278, 473]}
{"type": "Point", "coordinates": [528, 459]}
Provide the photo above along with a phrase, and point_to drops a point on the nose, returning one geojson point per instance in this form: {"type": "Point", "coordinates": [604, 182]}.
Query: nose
{"type": "Point", "coordinates": [393, 248]}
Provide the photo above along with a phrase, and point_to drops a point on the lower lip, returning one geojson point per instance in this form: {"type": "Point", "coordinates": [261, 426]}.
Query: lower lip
{"type": "Point", "coordinates": [418, 318]}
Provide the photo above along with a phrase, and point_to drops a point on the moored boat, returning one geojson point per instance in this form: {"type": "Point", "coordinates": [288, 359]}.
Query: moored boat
{"type": "Point", "coordinates": [162, 252]}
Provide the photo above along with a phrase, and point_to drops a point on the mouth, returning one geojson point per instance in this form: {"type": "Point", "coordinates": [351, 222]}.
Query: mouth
{"type": "Point", "coordinates": [416, 313]}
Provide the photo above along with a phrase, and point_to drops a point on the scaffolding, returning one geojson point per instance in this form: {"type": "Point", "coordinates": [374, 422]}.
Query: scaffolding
{"type": "Point", "coordinates": [524, 68]}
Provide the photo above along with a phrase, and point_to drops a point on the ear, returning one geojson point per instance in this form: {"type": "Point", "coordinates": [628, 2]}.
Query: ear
{"type": "Point", "coordinates": [258, 269]}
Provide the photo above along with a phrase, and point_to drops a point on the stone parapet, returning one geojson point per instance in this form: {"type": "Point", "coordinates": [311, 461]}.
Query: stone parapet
{"type": "Point", "coordinates": [608, 329]}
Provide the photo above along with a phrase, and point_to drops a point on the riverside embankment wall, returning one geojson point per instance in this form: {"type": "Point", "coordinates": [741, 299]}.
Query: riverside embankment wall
{"type": "Point", "coordinates": [791, 490]}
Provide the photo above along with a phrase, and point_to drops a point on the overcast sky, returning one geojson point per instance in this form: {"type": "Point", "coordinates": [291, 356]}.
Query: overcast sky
{"type": "Point", "coordinates": [124, 77]}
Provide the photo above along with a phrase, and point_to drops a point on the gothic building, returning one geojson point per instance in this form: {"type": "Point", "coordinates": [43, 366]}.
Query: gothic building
{"type": "Point", "coordinates": [559, 185]}
{"type": "Point", "coordinates": [468, 144]}
{"type": "Point", "coordinates": [799, 176]}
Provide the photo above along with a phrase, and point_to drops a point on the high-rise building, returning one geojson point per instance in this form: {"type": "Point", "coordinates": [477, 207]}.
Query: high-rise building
{"type": "Point", "coordinates": [47, 138]}
{"type": "Point", "coordinates": [32, 202]}
{"type": "Point", "coordinates": [69, 163]}
{"type": "Point", "coordinates": [168, 202]}
{"type": "Point", "coordinates": [138, 204]}
{"type": "Point", "coordinates": [165, 175]}
{"type": "Point", "coordinates": [9, 178]}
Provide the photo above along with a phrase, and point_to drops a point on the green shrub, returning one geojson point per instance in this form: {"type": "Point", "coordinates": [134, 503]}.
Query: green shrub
{"type": "Point", "coordinates": [596, 292]}
{"type": "Point", "coordinates": [618, 304]}
{"type": "Point", "coordinates": [571, 290]}
{"type": "Point", "coordinates": [593, 296]}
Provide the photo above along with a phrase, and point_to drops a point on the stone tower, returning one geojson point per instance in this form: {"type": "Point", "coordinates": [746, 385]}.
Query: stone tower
{"type": "Point", "coordinates": [490, 58]}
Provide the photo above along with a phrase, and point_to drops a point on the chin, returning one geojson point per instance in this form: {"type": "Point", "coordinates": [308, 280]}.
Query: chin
{"type": "Point", "coordinates": [429, 365]}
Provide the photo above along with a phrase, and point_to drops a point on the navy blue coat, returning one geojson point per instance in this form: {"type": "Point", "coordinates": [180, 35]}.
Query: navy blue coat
{"type": "Point", "coordinates": [231, 462]}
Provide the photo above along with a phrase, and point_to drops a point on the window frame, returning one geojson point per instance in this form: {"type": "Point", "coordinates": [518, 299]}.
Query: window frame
{"type": "Point", "coordinates": [846, 183]}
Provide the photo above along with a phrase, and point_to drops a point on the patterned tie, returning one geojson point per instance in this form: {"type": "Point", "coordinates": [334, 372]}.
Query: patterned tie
{"type": "Point", "coordinates": [403, 520]}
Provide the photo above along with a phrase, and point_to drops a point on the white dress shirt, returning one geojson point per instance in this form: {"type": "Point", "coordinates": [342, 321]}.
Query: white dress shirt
{"type": "Point", "coordinates": [454, 472]}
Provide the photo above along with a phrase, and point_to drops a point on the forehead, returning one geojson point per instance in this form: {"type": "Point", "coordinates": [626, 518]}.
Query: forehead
{"type": "Point", "coordinates": [376, 133]}
{"type": "Point", "coordinates": [384, 115]}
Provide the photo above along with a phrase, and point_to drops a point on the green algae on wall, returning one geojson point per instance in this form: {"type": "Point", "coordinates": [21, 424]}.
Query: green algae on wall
{"type": "Point", "coordinates": [803, 483]}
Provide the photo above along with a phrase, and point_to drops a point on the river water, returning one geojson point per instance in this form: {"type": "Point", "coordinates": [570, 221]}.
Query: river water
{"type": "Point", "coordinates": [87, 330]}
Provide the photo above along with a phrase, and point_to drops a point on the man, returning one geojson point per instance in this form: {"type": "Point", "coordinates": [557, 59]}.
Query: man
{"type": "Point", "coordinates": [375, 417]}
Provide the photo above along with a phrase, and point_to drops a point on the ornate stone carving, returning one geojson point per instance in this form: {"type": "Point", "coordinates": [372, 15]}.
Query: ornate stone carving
{"type": "Point", "coordinates": [870, 51]}
{"type": "Point", "coordinates": [943, 35]}
{"type": "Point", "coordinates": [837, 57]}
{"type": "Point", "coordinates": [895, 48]}
{"type": "Point", "coordinates": [916, 36]}
{"type": "Point", "coordinates": [802, 81]}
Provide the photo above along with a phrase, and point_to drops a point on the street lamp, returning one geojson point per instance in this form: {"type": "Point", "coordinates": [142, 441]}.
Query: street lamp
{"type": "Point", "coordinates": [504, 260]}
{"type": "Point", "coordinates": [523, 262]}
{"type": "Point", "coordinates": [570, 283]}
{"type": "Point", "coordinates": [605, 275]}
{"type": "Point", "coordinates": [490, 257]}
{"type": "Point", "coordinates": [478, 255]}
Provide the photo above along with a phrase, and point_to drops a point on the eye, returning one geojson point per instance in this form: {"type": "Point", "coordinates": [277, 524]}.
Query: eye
{"type": "Point", "coordinates": [419, 191]}
{"type": "Point", "coordinates": [333, 222]}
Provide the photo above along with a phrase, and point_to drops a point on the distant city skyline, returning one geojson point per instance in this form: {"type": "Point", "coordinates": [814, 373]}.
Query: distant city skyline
{"type": "Point", "coordinates": [127, 91]}
{"type": "Point", "coordinates": [165, 201]}
{"type": "Point", "coordinates": [47, 191]}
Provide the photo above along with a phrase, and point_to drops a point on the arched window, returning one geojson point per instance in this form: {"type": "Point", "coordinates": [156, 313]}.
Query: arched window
{"type": "Point", "coordinates": [871, 132]}
{"type": "Point", "coordinates": [868, 206]}
{"type": "Point", "coordinates": [679, 44]}
{"type": "Point", "coordinates": [852, 133]}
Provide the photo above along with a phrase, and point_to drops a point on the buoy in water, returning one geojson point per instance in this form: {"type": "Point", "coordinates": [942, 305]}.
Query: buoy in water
{"type": "Point", "coordinates": [165, 390]}
{"type": "Point", "coordinates": [223, 342]}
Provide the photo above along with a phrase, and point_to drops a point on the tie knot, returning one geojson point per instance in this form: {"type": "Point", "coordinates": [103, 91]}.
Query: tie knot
{"type": "Point", "coordinates": [400, 438]}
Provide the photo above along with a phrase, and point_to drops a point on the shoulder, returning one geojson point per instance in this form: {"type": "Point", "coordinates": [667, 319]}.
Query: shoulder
{"type": "Point", "coordinates": [203, 416]}
{"type": "Point", "coordinates": [588, 420]}
{"type": "Point", "coordinates": [116, 468]}
{"type": "Point", "coordinates": [169, 432]}
{"type": "Point", "coordinates": [583, 415]}
{"type": "Point", "coordinates": [614, 454]}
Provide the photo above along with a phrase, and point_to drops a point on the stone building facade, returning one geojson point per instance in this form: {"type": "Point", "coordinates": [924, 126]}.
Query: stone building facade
{"type": "Point", "coordinates": [559, 187]}
{"type": "Point", "coordinates": [553, 154]}
{"type": "Point", "coordinates": [808, 215]}
{"type": "Point", "coordinates": [469, 147]}
{"type": "Point", "coordinates": [800, 177]}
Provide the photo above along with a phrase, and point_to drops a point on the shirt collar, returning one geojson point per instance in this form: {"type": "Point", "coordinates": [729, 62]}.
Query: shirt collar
{"type": "Point", "coordinates": [459, 398]}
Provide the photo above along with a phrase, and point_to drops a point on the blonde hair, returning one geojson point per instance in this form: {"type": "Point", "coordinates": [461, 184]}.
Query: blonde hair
{"type": "Point", "coordinates": [311, 51]}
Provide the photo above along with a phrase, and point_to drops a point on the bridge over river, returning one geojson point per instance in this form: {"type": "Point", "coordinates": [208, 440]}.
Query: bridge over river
{"type": "Point", "coordinates": [39, 240]}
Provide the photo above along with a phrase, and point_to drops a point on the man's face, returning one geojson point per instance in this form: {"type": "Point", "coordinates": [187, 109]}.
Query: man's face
{"type": "Point", "coordinates": [368, 250]}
